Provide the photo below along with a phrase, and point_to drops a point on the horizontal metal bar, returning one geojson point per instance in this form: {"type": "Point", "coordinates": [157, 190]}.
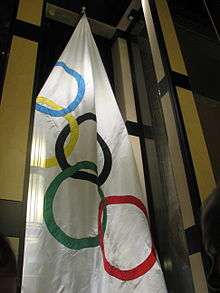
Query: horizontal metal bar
{"type": "Point", "coordinates": [71, 18]}
{"type": "Point", "coordinates": [27, 30]}
{"type": "Point", "coordinates": [181, 80]}
{"type": "Point", "coordinates": [140, 130]}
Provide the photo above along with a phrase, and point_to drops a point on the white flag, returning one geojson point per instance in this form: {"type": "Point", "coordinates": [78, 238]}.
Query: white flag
{"type": "Point", "coordinates": [87, 228]}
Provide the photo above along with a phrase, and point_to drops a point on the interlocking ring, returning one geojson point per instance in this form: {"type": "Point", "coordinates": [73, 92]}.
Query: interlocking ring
{"type": "Point", "coordinates": [48, 214]}
{"type": "Point", "coordinates": [73, 130]}
{"type": "Point", "coordinates": [75, 103]}
{"type": "Point", "coordinates": [150, 260]}
{"type": "Point", "coordinates": [61, 158]}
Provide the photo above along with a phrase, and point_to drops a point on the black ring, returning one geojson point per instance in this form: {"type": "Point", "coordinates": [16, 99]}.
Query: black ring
{"type": "Point", "coordinates": [62, 161]}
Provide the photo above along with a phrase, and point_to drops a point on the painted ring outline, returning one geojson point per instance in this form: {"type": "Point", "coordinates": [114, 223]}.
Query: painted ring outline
{"type": "Point", "coordinates": [74, 135]}
{"type": "Point", "coordinates": [75, 103]}
{"type": "Point", "coordinates": [54, 229]}
{"type": "Point", "coordinates": [81, 174]}
{"type": "Point", "coordinates": [142, 268]}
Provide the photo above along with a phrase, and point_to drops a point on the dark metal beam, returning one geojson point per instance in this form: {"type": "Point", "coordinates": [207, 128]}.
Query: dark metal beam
{"type": "Point", "coordinates": [11, 217]}
{"type": "Point", "coordinates": [138, 129]}
{"type": "Point", "coordinates": [27, 30]}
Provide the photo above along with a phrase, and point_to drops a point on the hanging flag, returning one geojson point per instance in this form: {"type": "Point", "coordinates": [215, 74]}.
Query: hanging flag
{"type": "Point", "coordinates": [87, 229]}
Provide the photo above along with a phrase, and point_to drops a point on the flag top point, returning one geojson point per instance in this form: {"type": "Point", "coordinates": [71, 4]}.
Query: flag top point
{"type": "Point", "coordinates": [83, 10]}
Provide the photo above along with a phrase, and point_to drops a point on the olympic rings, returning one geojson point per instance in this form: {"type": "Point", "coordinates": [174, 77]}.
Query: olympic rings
{"type": "Point", "coordinates": [61, 152]}
{"type": "Point", "coordinates": [54, 229]}
{"type": "Point", "coordinates": [73, 130]}
{"type": "Point", "coordinates": [61, 158]}
{"type": "Point", "coordinates": [74, 104]}
{"type": "Point", "coordinates": [140, 269]}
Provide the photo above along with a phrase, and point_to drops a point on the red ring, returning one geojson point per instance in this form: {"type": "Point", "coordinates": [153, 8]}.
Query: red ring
{"type": "Point", "coordinates": [140, 269]}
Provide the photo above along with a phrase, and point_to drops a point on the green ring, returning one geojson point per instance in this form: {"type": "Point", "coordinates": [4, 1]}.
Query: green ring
{"type": "Point", "coordinates": [54, 229]}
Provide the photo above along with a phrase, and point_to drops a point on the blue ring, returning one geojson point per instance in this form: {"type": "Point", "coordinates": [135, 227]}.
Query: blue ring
{"type": "Point", "coordinates": [75, 103]}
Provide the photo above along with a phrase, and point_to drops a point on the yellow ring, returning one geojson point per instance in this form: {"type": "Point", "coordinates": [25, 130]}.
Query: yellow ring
{"type": "Point", "coordinates": [74, 135]}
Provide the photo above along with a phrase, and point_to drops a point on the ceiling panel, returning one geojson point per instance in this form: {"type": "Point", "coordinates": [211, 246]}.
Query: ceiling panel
{"type": "Point", "coordinates": [107, 11]}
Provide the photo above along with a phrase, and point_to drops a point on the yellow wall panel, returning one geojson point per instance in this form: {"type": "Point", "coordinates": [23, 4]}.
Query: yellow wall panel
{"type": "Point", "coordinates": [14, 242]}
{"type": "Point", "coordinates": [30, 11]}
{"type": "Point", "coordinates": [198, 273]}
{"type": "Point", "coordinates": [199, 151]}
{"type": "Point", "coordinates": [14, 117]}
{"type": "Point", "coordinates": [118, 79]}
{"type": "Point", "coordinates": [170, 37]}
{"type": "Point", "coordinates": [158, 65]}
{"type": "Point", "coordinates": [123, 80]}
{"type": "Point", "coordinates": [177, 163]}
{"type": "Point", "coordinates": [125, 97]}
{"type": "Point", "coordinates": [139, 163]}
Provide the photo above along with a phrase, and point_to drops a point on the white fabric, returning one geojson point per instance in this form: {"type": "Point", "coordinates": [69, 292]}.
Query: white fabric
{"type": "Point", "coordinates": [50, 266]}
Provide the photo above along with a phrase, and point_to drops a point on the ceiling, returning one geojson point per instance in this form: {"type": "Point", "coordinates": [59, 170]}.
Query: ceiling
{"type": "Point", "coordinates": [193, 13]}
{"type": "Point", "coordinates": [107, 11]}
{"type": "Point", "coordinates": [190, 13]}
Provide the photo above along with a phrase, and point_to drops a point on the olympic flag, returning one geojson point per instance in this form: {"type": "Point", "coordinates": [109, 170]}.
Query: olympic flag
{"type": "Point", "coordinates": [87, 228]}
